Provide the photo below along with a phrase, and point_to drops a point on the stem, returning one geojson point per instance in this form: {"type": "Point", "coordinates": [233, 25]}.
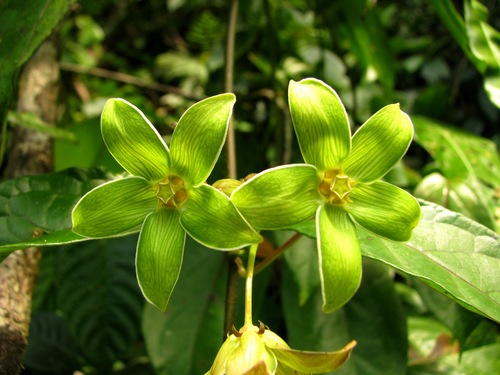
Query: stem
{"type": "Point", "coordinates": [277, 253]}
{"type": "Point", "coordinates": [249, 283]}
{"type": "Point", "coordinates": [228, 86]}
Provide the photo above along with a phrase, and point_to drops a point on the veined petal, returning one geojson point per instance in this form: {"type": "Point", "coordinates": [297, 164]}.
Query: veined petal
{"type": "Point", "coordinates": [199, 136]}
{"type": "Point", "coordinates": [313, 362]}
{"type": "Point", "coordinates": [114, 208]}
{"type": "Point", "coordinates": [320, 123]}
{"type": "Point", "coordinates": [160, 250]}
{"type": "Point", "coordinates": [339, 256]}
{"type": "Point", "coordinates": [384, 209]}
{"type": "Point", "coordinates": [213, 220]}
{"type": "Point", "coordinates": [133, 141]}
{"type": "Point", "coordinates": [279, 197]}
{"type": "Point", "coordinates": [379, 144]}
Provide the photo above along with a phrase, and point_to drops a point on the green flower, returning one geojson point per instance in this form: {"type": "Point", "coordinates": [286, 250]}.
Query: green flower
{"type": "Point", "coordinates": [166, 194]}
{"type": "Point", "coordinates": [259, 351]}
{"type": "Point", "coordinates": [347, 177]}
{"type": "Point", "coordinates": [340, 185]}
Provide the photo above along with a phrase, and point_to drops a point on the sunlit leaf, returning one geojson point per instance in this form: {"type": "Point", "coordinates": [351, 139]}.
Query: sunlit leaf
{"type": "Point", "coordinates": [199, 136]}
{"type": "Point", "coordinates": [379, 144]}
{"type": "Point", "coordinates": [115, 208]}
{"type": "Point", "coordinates": [133, 140]}
{"type": "Point", "coordinates": [160, 250]}
{"type": "Point", "coordinates": [279, 197]}
{"type": "Point", "coordinates": [339, 256]}
{"type": "Point", "coordinates": [213, 220]}
{"type": "Point", "coordinates": [384, 209]}
{"type": "Point", "coordinates": [320, 123]}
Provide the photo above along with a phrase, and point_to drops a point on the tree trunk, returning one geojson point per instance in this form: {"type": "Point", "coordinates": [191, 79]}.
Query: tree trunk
{"type": "Point", "coordinates": [30, 154]}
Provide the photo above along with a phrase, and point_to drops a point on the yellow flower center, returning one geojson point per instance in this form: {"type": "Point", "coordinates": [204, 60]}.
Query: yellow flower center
{"type": "Point", "coordinates": [336, 186]}
{"type": "Point", "coordinates": [171, 191]}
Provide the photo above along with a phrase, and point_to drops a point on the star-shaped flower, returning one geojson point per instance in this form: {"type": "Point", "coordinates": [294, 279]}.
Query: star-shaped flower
{"type": "Point", "coordinates": [258, 351]}
{"type": "Point", "coordinates": [166, 194]}
{"type": "Point", "coordinates": [340, 184]}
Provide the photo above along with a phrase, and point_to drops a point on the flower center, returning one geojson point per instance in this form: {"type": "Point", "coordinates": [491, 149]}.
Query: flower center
{"type": "Point", "coordinates": [336, 186]}
{"type": "Point", "coordinates": [171, 191]}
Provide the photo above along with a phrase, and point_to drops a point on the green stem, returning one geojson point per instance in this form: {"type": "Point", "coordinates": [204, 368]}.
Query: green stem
{"type": "Point", "coordinates": [249, 283]}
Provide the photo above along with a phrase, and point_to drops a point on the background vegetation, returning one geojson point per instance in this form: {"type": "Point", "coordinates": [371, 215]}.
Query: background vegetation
{"type": "Point", "coordinates": [429, 55]}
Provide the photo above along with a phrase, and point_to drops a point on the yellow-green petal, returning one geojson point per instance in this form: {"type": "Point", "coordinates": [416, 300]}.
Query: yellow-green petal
{"type": "Point", "coordinates": [339, 256]}
{"type": "Point", "coordinates": [279, 197]}
{"type": "Point", "coordinates": [320, 123]}
{"type": "Point", "coordinates": [133, 140]}
{"type": "Point", "coordinates": [212, 219]}
{"type": "Point", "coordinates": [114, 208]}
{"type": "Point", "coordinates": [199, 136]}
{"type": "Point", "coordinates": [160, 250]}
{"type": "Point", "coordinates": [379, 144]}
{"type": "Point", "coordinates": [308, 362]}
{"type": "Point", "coordinates": [384, 209]}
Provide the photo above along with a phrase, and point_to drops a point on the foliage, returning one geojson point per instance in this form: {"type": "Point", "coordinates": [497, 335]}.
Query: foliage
{"type": "Point", "coordinates": [425, 305]}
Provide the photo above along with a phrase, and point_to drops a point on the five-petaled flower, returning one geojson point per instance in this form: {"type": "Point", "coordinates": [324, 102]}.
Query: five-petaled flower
{"type": "Point", "coordinates": [165, 195]}
{"type": "Point", "coordinates": [340, 184]}
{"type": "Point", "coordinates": [257, 350]}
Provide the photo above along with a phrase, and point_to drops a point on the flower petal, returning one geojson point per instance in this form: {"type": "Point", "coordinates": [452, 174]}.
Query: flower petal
{"type": "Point", "coordinates": [133, 141]}
{"type": "Point", "coordinates": [339, 256]}
{"type": "Point", "coordinates": [114, 208]}
{"type": "Point", "coordinates": [379, 144]}
{"type": "Point", "coordinates": [313, 362]}
{"type": "Point", "coordinates": [384, 209]}
{"type": "Point", "coordinates": [199, 136]}
{"type": "Point", "coordinates": [213, 220]}
{"type": "Point", "coordinates": [279, 197]}
{"type": "Point", "coordinates": [320, 123]}
{"type": "Point", "coordinates": [160, 250]}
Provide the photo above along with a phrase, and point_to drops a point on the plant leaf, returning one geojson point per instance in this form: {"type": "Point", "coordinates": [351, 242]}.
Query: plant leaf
{"type": "Point", "coordinates": [339, 256]}
{"type": "Point", "coordinates": [213, 220]}
{"type": "Point", "coordinates": [160, 250]}
{"type": "Point", "coordinates": [279, 197]}
{"type": "Point", "coordinates": [133, 141]}
{"type": "Point", "coordinates": [379, 144]}
{"type": "Point", "coordinates": [199, 136]}
{"type": "Point", "coordinates": [114, 208]}
{"type": "Point", "coordinates": [320, 123]}
{"type": "Point", "coordinates": [384, 209]}
{"type": "Point", "coordinates": [451, 253]}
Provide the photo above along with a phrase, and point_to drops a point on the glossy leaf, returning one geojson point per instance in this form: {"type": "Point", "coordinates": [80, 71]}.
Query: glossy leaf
{"type": "Point", "coordinates": [199, 137]}
{"type": "Point", "coordinates": [213, 220]}
{"type": "Point", "coordinates": [279, 197]}
{"type": "Point", "coordinates": [339, 256]}
{"type": "Point", "coordinates": [384, 209]}
{"type": "Point", "coordinates": [160, 250]}
{"type": "Point", "coordinates": [115, 208]}
{"type": "Point", "coordinates": [379, 144]}
{"type": "Point", "coordinates": [320, 123]}
{"type": "Point", "coordinates": [186, 339]}
{"type": "Point", "coordinates": [133, 141]}
{"type": "Point", "coordinates": [451, 253]}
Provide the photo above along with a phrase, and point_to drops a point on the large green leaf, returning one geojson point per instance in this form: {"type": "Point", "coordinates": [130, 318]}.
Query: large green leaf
{"type": "Point", "coordinates": [92, 287]}
{"type": "Point", "coordinates": [449, 252]}
{"type": "Point", "coordinates": [42, 205]}
{"type": "Point", "coordinates": [23, 27]}
{"type": "Point", "coordinates": [374, 318]}
{"type": "Point", "coordinates": [199, 136]}
{"type": "Point", "coordinates": [185, 340]}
